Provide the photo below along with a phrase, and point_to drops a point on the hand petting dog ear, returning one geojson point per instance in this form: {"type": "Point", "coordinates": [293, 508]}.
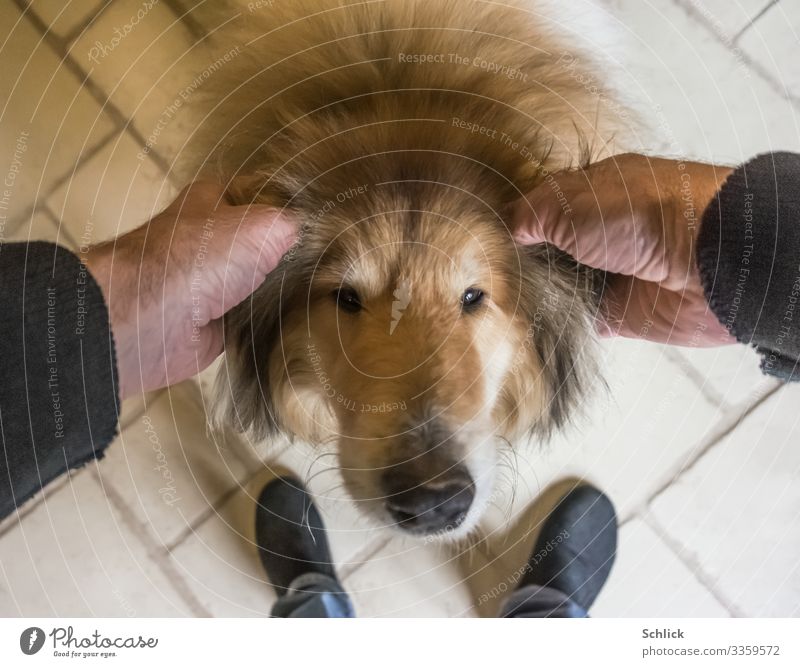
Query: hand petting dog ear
{"type": "Point", "coordinates": [637, 218]}
{"type": "Point", "coordinates": [168, 282]}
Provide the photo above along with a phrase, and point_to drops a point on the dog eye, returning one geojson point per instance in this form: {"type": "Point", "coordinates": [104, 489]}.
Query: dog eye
{"type": "Point", "coordinates": [347, 299]}
{"type": "Point", "coordinates": [472, 298]}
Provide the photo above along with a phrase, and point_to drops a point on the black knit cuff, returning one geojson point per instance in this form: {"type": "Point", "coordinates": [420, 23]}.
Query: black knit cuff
{"type": "Point", "coordinates": [748, 255]}
{"type": "Point", "coordinates": [59, 397]}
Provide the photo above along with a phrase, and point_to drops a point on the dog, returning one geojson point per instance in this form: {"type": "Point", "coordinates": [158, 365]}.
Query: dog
{"type": "Point", "coordinates": [406, 328]}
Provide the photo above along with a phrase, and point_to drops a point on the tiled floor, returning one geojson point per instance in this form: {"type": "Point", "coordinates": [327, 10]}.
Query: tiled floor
{"type": "Point", "coordinates": [698, 450]}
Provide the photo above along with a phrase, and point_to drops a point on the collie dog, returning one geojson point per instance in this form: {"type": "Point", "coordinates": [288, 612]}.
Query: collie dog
{"type": "Point", "coordinates": [406, 328]}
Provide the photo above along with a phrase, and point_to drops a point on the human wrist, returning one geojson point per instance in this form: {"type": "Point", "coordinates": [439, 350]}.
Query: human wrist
{"type": "Point", "coordinates": [108, 269]}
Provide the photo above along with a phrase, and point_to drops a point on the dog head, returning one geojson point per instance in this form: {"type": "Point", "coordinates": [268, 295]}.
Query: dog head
{"type": "Point", "coordinates": [418, 340]}
{"type": "Point", "coordinates": [406, 329]}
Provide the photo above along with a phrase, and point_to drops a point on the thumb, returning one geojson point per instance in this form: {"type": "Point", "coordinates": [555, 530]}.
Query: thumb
{"type": "Point", "coordinates": [527, 225]}
{"type": "Point", "coordinates": [541, 217]}
{"type": "Point", "coordinates": [272, 230]}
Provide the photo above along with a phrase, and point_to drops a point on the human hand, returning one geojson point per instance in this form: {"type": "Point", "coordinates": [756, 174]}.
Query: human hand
{"type": "Point", "coordinates": [168, 282]}
{"type": "Point", "coordinates": [637, 218]}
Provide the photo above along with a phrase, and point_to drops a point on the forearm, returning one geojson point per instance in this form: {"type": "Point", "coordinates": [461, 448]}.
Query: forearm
{"type": "Point", "coordinates": [59, 394]}
{"type": "Point", "coordinates": [748, 253]}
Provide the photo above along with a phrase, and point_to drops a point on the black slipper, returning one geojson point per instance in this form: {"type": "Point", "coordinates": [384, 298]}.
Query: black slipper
{"type": "Point", "coordinates": [576, 546]}
{"type": "Point", "coordinates": [290, 535]}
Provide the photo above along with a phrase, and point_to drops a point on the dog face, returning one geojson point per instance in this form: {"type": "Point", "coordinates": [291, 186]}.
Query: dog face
{"type": "Point", "coordinates": [411, 333]}
{"type": "Point", "coordinates": [418, 345]}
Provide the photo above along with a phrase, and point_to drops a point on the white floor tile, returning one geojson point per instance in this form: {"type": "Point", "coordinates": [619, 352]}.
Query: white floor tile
{"type": "Point", "coordinates": [219, 562]}
{"type": "Point", "coordinates": [167, 468]}
{"type": "Point", "coordinates": [736, 514]}
{"type": "Point", "coordinates": [74, 556]}
{"type": "Point", "coordinates": [730, 374]}
{"type": "Point", "coordinates": [697, 97]}
{"type": "Point", "coordinates": [649, 580]}
{"type": "Point", "coordinates": [407, 578]}
{"type": "Point", "coordinates": [773, 43]}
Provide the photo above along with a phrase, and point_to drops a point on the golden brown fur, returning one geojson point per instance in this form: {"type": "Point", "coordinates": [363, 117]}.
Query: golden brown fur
{"type": "Point", "coordinates": [405, 202]}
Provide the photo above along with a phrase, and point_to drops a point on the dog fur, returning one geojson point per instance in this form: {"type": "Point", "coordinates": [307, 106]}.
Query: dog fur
{"type": "Point", "coordinates": [402, 170]}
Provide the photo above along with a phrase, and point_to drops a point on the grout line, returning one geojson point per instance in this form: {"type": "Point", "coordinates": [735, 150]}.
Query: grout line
{"type": "Point", "coordinates": [63, 233]}
{"type": "Point", "coordinates": [160, 559]}
{"type": "Point", "coordinates": [738, 53]}
{"type": "Point", "coordinates": [692, 564]}
{"type": "Point", "coordinates": [176, 580]}
{"type": "Point", "coordinates": [18, 220]}
{"type": "Point", "coordinates": [752, 21]}
{"type": "Point", "coordinates": [14, 520]}
{"type": "Point", "coordinates": [69, 62]}
{"type": "Point", "coordinates": [705, 386]}
{"type": "Point", "coordinates": [185, 16]}
{"type": "Point", "coordinates": [77, 31]}
{"type": "Point", "coordinates": [723, 428]}
{"type": "Point", "coordinates": [211, 510]}
{"type": "Point", "coordinates": [27, 508]}
{"type": "Point", "coordinates": [362, 556]}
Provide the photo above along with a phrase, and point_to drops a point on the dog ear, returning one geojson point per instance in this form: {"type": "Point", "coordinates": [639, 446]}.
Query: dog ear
{"type": "Point", "coordinates": [559, 299]}
{"type": "Point", "coordinates": [254, 364]}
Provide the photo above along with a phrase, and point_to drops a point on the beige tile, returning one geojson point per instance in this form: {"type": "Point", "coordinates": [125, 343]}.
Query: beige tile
{"type": "Point", "coordinates": [167, 468]}
{"type": "Point", "coordinates": [649, 580]}
{"type": "Point", "coordinates": [75, 556]}
{"type": "Point", "coordinates": [112, 193]}
{"type": "Point", "coordinates": [143, 57]}
{"type": "Point", "coordinates": [407, 578]}
{"type": "Point", "coordinates": [220, 563]}
{"type": "Point", "coordinates": [40, 226]}
{"type": "Point", "coordinates": [735, 514]}
{"type": "Point", "coordinates": [773, 42]}
{"type": "Point", "coordinates": [47, 120]}
{"type": "Point", "coordinates": [62, 18]}
{"type": "Point", "coordinates": [698, 98]}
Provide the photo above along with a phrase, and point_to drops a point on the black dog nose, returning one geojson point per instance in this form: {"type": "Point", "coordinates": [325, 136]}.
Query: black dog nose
{"type": "Point", "coordinates": [429, 507]}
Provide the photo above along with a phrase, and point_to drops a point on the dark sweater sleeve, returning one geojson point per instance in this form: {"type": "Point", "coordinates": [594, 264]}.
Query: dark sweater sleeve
{"type": "Point", "coordinates": [748, 253]}
{"type": "Point", "coordinates": [58, 395]}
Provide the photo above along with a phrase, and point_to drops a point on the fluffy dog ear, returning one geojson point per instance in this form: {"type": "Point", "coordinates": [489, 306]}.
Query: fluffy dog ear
{"type": "Point", "coordinates": [559, 299]}
{"type": "Point", "coordinates": [254, 364]}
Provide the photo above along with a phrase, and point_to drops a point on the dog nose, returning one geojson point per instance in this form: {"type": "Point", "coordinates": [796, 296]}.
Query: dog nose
{"type": "Point", "coordinates": [433, 506]}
